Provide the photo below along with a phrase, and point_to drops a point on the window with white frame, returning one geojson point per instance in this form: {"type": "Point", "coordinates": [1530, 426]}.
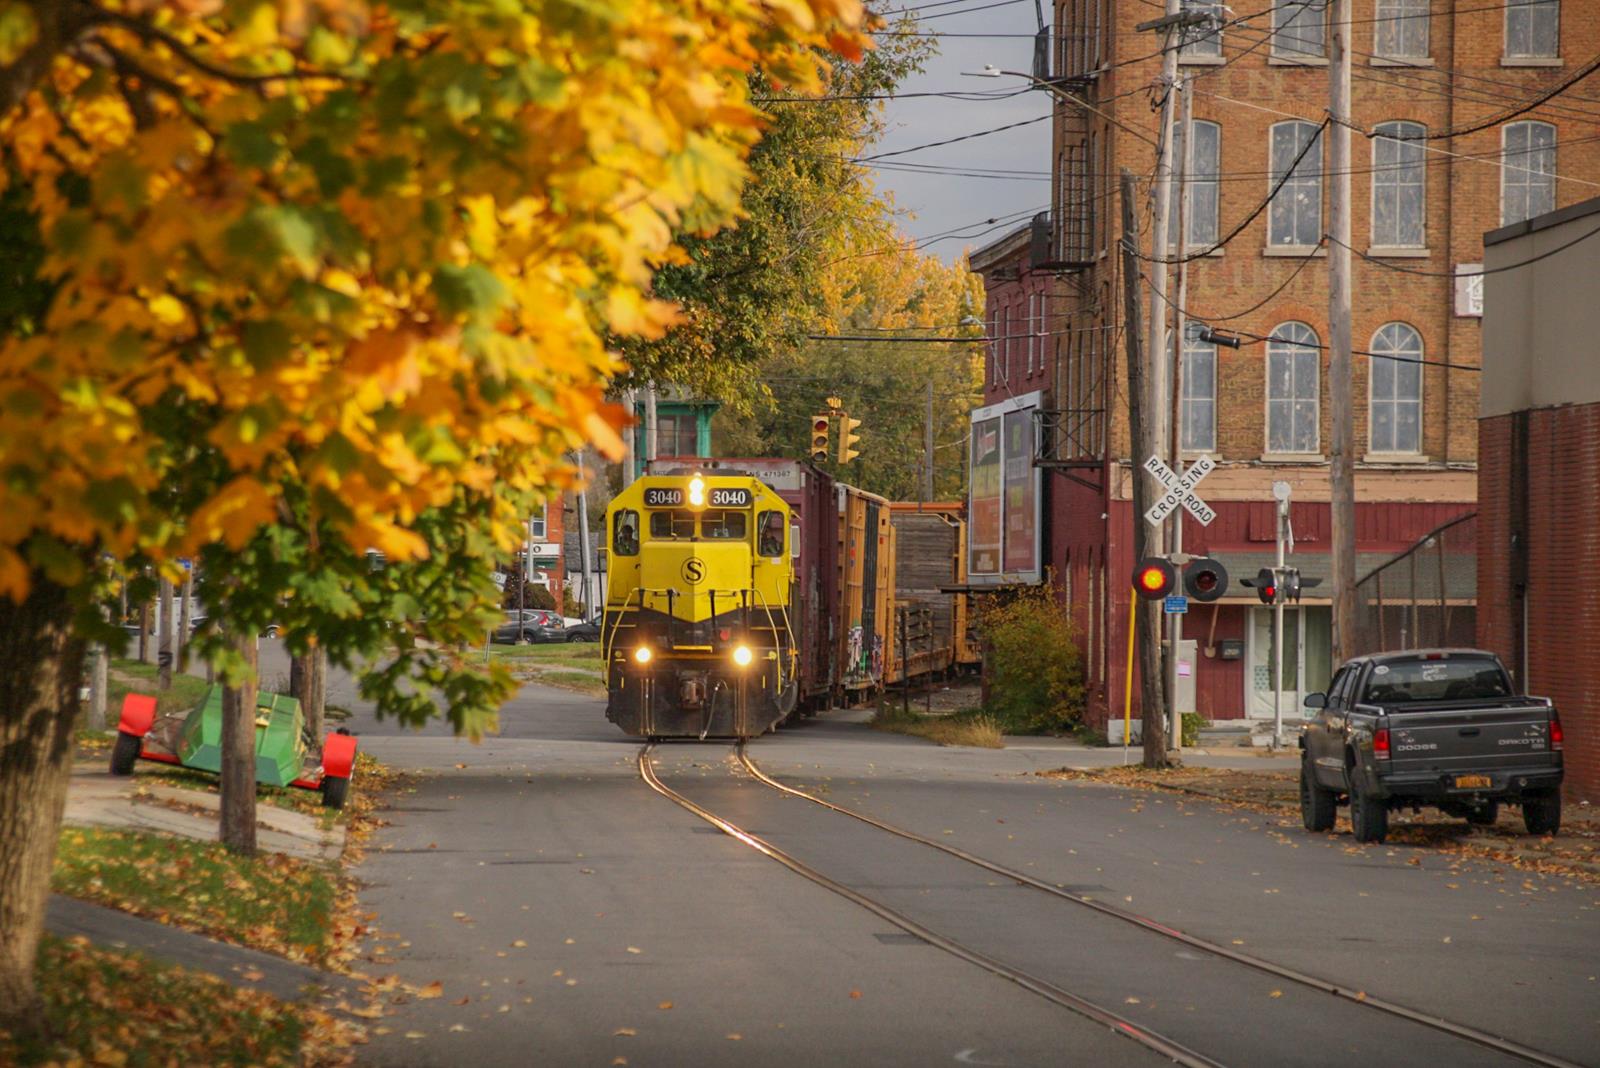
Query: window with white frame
{"type": "Point", "coordinates": [1533, 29]}
{"type": "Point", "coordinates": [1398, 178]}
{"type": "Point", "coordinates": [1293, 398]}
{"type": "Point", "coordinates": [994, 345]}
{"type": "Point", "coordinates": [1299, 29]}
{"type": "Point", "coordinates": [538, 523]}
{"type": "Point", "coordinates": [1033, 333]}
{"type": "Point", "coordinates": [1199, 404]}
{"type": "Point", "coordinates": [1395, 421]}
{"type": "Point", "coordinates": [1202, 42]}
{"type": "Point", "coordinates": [1295, 217]}
{"type": "Point", "coordinates": [1527, 170]}
{"type": "Point", "coordinates": [1204, 166]}
{"type": "Point", "coordinates": [1400, 29]}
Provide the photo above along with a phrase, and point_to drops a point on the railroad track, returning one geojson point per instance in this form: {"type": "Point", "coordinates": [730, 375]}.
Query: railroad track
{"type": "Point", "coordinates": [1465, 1032]}
{"type": "Point", "coordinates": [1136, 1032]}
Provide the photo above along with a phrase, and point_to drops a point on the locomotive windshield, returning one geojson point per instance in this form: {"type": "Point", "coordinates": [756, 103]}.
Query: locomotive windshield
{"type": "Point", "coordinates": [673, 524]}
{"type": "Point", "coordinates": [723, 526]}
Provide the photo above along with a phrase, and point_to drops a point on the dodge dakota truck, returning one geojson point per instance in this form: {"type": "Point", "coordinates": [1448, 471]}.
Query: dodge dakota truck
{"type": "Point", "coordinates": [1440, 727]}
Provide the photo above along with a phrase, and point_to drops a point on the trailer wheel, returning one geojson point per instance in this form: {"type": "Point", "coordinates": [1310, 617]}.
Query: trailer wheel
{"type": "Point", "coordinates": [1369, 817]}
{"type": "Point", "coordinates": [335, 788]}
{"type": "Point", "coordinates": [1318, 805]}
{"type": "Point", "coordinates": [125, 753]}
{"type": "Point", "coordinates": [1542, 815]}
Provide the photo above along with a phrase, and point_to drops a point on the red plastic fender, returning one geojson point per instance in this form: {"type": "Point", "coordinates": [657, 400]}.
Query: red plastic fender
{"type": "Point", "coordinates": [138, 714]}
{"type": "Point", "coordinates": [338, 755]}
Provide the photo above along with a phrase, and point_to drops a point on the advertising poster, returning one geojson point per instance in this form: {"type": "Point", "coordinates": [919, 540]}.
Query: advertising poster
{"type": "Point", "coordinates": [983, 531]}
{"type": "Point", "coordinates": [1021, 494]}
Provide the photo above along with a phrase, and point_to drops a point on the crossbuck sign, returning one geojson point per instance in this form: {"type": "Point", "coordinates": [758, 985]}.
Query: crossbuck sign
{"type": "Point", "coordinates": [1180, 490]}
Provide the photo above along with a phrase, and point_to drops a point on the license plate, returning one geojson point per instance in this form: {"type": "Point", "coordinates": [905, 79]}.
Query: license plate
{"type": "Point", "coordinates": [1473, 782]}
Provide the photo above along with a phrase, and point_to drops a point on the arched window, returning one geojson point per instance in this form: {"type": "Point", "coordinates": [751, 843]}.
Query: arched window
{"type": "Point", "coordinates": [1295, 218]}
{"type": "Point", "coordinates": [1395, 419]}
{"type": "Point", "coordinates": [1527, 170]}
{"type": "Point", "coordinates": [1293, 390]}
{"type": "Point", "coordinates": [1398, 177]}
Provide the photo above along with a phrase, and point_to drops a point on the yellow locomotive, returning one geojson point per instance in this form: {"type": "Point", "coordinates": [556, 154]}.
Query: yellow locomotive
{"type": "Point", "coordinates": [696, 635]}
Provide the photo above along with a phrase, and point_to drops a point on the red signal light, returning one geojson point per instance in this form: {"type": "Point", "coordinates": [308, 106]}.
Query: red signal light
{"type": "Point", "coordinates": [1154, 578]}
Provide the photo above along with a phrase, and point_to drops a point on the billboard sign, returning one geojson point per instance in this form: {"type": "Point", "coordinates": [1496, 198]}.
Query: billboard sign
{"type": "Point", "coordinates": [1005, 503]}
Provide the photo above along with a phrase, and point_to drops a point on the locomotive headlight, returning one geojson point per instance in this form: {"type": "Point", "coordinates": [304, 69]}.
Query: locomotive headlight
{"type": "Point", "coordinates": [742, 655]}
{"type": "Point", "coordinates": [697, 492]}
{"type": "Point", "coordinates": [642, 654]}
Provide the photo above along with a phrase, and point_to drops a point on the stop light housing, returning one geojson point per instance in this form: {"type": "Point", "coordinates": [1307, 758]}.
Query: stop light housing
{"type": "Point", "coordinates": [1154, 578]}
{"type": "Point", "coordinates": [820, 426]}
{"type": "Point", "coordinates": [1289, 579]}
{"type": "Point", "coordinates": [1265, 584]}
{"type": "Point", "coordinates": [848, 439]}
{"type": "Point", "coordinates": [1205, 579]}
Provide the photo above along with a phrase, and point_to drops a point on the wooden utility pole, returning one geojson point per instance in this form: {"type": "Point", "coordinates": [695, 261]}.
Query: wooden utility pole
{"type": "Point", "coordinates": [238, 823]}
{"type": "Point", "coordinates": [1175, 413]}
{"type": "Point", "coordinates": [1341, 469]}
{"type": "Point", "coordinates": [1143, 441]}
{"type": "Point", "coordinates": [927, 448]}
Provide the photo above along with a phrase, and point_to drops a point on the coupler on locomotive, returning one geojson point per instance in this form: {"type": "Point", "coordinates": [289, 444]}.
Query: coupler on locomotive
{"type": "Point", "coordinates": [193, 739]}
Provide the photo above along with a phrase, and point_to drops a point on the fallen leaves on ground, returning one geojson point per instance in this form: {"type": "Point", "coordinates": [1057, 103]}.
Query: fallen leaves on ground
{"type": "Point", "coordinates": [163, 1014]}
{"type": "Point", "coordinates": [1574, 852]}
{"type": "Point", "coordinates": [432, 990]}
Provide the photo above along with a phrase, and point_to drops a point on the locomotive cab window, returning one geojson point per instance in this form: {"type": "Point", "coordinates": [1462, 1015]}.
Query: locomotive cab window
{"type": "Point", "coordinates": [625, 533]}
{"type": "Point", "coordinates": [671, 524]}
{"type": "Point", "coordinates": [770, 540]}
{"type": "Point", "coordinates": [723, 526]}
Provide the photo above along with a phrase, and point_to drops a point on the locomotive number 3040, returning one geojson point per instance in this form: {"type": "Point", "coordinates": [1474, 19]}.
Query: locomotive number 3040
{"type": "Point", "coordinates": [730, 498]}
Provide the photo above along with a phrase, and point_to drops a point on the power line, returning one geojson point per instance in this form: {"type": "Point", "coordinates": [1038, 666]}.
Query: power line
{"type": "Point", "coordinates": [952, 140]}
{"type": "Point", "coordinates": [1470, 274]}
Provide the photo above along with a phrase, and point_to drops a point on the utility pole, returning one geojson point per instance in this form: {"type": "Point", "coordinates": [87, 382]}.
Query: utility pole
{"type": "Point", "coordinates": [649, 426]}
{"type": "Point", "coordinates": [927, 448]}
{"type": "Point", "coordinates": [1143, 441]}
{"type": "Point", "coordinates": [186, 616]}
{"type": "Point", "coordinates": [1341, 470]}
{"type": "Point", "coordinates": [1280, 490]}
{"type": "Point", "coordinates": [583, 538]}
{"type": "Point", "coordinates": [1175, 637]}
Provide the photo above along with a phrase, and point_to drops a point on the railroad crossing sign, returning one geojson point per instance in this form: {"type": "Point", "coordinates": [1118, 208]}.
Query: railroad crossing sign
{"type": "Point", "coordinates": [1180, 490]}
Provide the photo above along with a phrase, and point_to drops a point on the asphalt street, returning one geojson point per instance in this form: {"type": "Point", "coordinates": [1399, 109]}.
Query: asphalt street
{"type": "Point", "coordinates": [573, 916]}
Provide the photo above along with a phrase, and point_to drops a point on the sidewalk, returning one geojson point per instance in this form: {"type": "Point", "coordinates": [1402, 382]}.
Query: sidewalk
{"type": "Point", "coordinates": [97, 798]}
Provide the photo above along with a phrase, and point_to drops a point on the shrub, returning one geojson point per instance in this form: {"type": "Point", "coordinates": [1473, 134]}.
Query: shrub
{"type": "Point", "coordinates": [1034, 663]}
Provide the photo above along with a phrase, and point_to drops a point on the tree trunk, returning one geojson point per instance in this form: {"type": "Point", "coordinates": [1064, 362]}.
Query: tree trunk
{"type": "Point", "coordinates": [239, 756]}
{"type": "Point", "coordinates": [40, 663]}
{"type": "Point", "coordinates": [186, 618]}
{"type": "Point", "coordinates": [144, 632]}
{"type": "Point", "coordinates": [164, 649]}
{"type": "Point", "coordinates": [319, 693]}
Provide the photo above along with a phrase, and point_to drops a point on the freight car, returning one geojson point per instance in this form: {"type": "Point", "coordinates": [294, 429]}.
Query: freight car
{"type": "Point", "coordinates": [697, 637]}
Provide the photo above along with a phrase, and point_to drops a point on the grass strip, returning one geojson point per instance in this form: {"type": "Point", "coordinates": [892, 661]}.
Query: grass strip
{"type": "Point", "coordinates": [107, 1007]}
{"type": "Point", "coordinates": [977, 730]}
{"type": "Point", "coordinates": [269, 901]}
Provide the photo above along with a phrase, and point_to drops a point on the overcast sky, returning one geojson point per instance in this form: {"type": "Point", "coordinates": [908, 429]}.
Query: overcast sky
{"type": "Point", "coordinates": [935, 203]}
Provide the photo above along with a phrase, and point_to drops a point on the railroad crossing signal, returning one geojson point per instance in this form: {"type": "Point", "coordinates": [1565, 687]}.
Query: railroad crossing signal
{"type": "Point", "coordinates": [1265, 584]}
{"type": "Point", "coordinates": [1205, 579]}
{"type": "Point", "coordinates": [848, 438]}
{"type": "Point", "coordinates": [1154, 578]}
{"type": "Point", "coordinates": [820, 429]}
{"type": "Point", "coordinates": [1180, 491]}
{"type": "Point", "coordinates": [1280, 585]}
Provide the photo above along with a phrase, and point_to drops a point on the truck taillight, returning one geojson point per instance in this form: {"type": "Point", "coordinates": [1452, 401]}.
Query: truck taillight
{"type": "Point", "coordinates": [1556, 736]}
{"type": "Point", "coordinates": [1380, 743]}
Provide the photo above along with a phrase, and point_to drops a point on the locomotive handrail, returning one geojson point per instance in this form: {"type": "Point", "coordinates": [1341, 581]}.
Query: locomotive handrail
{"type": "Point", "coordinates": [610, 642]}
{"type": "Point", "coordinates": [774, 626]}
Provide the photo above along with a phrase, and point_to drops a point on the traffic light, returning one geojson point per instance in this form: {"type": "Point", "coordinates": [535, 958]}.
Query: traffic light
{"type": "Point", "coordinates": [1154, 578]}
{"type": "Point", "coordinates": [1205, 579]}
{"type": "Point", "coordinates": [820, 424]}
{"type": "Point", "coordinates": [848, 438]}
{"type": "Point", "coordinates": [1293, 583]}
{"type": "Point", "coordinates": [1265, 585]}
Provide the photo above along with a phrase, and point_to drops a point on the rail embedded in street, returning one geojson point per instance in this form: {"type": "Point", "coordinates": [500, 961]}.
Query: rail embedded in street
{"type": "Point", "coordinates": [1449, 1027]}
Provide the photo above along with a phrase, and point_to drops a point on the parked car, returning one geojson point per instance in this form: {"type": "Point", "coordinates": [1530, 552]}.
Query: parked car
{"type": "Point", "coordinates": [584, 632]}
{"type": "Point", "coordinates": [530, 625]}
{"type": "Point", "coordinates": [1440, 727]}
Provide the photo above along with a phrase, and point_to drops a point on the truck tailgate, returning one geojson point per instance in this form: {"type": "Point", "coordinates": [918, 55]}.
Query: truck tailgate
{"type": "Point", "coordinates": [1451, 741]}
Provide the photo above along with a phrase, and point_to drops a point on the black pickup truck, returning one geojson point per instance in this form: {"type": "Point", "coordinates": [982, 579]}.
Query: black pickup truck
{"type": "Point", "coordinates": [1439, 727]}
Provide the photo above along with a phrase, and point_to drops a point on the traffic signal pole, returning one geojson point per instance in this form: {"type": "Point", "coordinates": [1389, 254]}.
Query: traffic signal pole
{"type": "Point", "coordinates": [1277, 627]}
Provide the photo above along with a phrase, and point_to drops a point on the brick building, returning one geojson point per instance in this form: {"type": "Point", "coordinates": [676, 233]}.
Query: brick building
{"type": "Point", "coordinates": [1539, 479]}
{"type": "Point", "coordinates": [1421, 201]}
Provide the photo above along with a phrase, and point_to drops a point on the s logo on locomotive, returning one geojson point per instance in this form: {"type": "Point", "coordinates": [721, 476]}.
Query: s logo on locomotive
{"type": "Point", "coordinates": [694, 569]}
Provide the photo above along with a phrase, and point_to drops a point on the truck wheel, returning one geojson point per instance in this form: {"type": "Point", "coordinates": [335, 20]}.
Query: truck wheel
{"type": "Point", "coordinates": [334, 791]}
{"type": "Point", "coordinates": [1318, 806]}
{"type": "Point", "coordinates": [1542, 814]}
{"type": "Point", "coordinates": [1369, 817]}
{"type": "Point", "coordinates": [125, 753]}
{"type": "Point", "coordinates": [1484, 815]}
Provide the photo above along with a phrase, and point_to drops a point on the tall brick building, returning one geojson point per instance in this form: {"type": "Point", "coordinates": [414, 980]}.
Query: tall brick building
{"type": "Point", "coordinates": [1423, 193]}
{"type": "Point", "coordinates": [1539, 480]}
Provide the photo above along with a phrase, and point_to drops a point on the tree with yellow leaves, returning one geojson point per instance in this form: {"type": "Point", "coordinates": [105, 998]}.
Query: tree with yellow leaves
{"type": "Point", "coordinates": [317, 277]}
